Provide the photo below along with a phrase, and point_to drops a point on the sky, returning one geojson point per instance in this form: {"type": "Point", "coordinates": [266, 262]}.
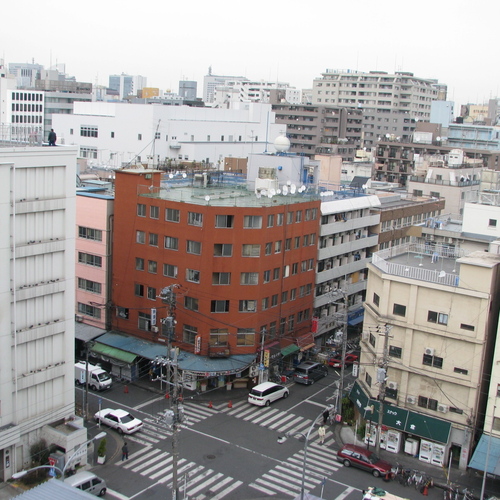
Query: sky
{"type": "Point", "coordinates": [453, 41]}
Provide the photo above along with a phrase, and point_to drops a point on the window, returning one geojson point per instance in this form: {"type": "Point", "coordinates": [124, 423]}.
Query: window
{"type": "Point", "coordinates": [462, 371]}
{"type": "Point", "coordinates": [88, 131]}
{"type": "Point", "coordinates": [90, 234]}
{"type": "Point", "coordinates": [492, 223]}
{"type": "Point", "coordinates": [289, 217]}
{"type": "Point", "coordinates": [279, 219]}
{"type": "Point", "coordinates": [219, 306]}
{"type": "Point", "coordinates": [250, 250]}
{"type": "Point", "coordinates": [139, 137]}
{"type": "Point", "coordinates": [303, 266]}
{"type": "Point", "coordinates": [89, 286]}
{"type": "Point", "coordinates": [152, 266]}
{"type": "Point", "coordinates": [391, 393]}
{"type": "Point", "coordinates": [269, 248]}
{"type": "Point", "coordinates": [172, 215]}
{"type": "Point", "coordinates": [189, 334]}
{"type": "Point", "coordinates": [153, 239]}
{"type": "Point", "coordinates": [456, 410]}
{"type": "Point", "coordinates": [395, 352]}
{"type": "Point", "coordinates": [371, 340]}
{"type": "Point", "coordinates": [224, 221]}
{"type": "Point", "coordinates": [247, 306]}
{"type": "Point", "coordinates": [265, 303]}
{"type": "Point", "coordinates": [368, 379]}
{"type": "Point", "coordinates": [221, 278]}
{"type": "Point", "coordinates": [274, 300]}
{"type": "Point", "coordinates": [286, 271]}
{"type": "Point", "coordinates": [192, 275]}
{"type": "Point", "coordinates": [139, 290]}
{"type": "Point", "coordinates": [440, 318]}
{"type": "Point", "coordinates": [296, 242]}
{"type": "Point", "coordinates": [171, 243]}
{"type": "Point", "coordinates": [223, 250]}
{"type": "Point", "coordinates": [252, 221]}
{"type": "Point", "coordinates": [288, 244]}
{"type": "Point", "coordinates": [151, 293]}
{"type": "Point", "coordinates": [277, 246]}
{"type": "Point", "coordinates": [272, 329]}
{"type": "Point", "coordinates": [195, 219]}
{"type": "Point", "coordinates": [284, 296]}
{"type": "Point", "coordinates": [293, 294]}
{"type": "Point", "coordinates": [191, 303]}
{"type": "Point", "coordinates": [291, 322]}
{"type": "Point", "coordinates": [276, 273]}
{"type": "Point", "coordinates": [144, 322]}
{"type": "Point", "coordinates": [399, 310]}
{"type": "Point", "coordinates": [295, 268]}
{"type": "Point", "coordinates": [170, 270]}
{"type": "Point", "coordinates": [305, 240]}
{"type": "Point", "coordinates": [154, 212]}
{"type": "Point", "coordinates": [463, 326]}
{"type": "Point", "coordinates": [245, 336]}
{"type": "Point", "coordinates": [140, 237]}
{"type": "Point", "coordinates": [424, 402]}
{"type": "Point", "coordinates": [193, 247]}
{"type": "Point", "coordinates": [89, 310]}
{"type": "Point", "coordinates": [434, 361]}
{"type": "Point", "coordinates": [270, 220]}
{"type": "Point", "coordinates": [139, 264]}
{"type": "Point", "coordinates": [298, 216]}
{"type": "Point", "coordinates": [267, 276]}
{"type": "Point", "coordinates": [249, 279]}
{"type": "Point", "coordinates": [376, 299]}
{"type": "Point", "coordinates": [89, 259]}
{"type": "Point", "coordinates": [218, 337]}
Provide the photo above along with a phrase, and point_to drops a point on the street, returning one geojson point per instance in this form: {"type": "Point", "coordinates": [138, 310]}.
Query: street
{"type": "Point", "coordinates": [231, 450]}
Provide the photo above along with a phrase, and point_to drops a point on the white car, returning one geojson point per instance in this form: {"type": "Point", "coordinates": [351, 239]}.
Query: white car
{"type": "Point", "coordinates": [121, 420]}
{"type": "Point", "coordinates": [264, 394]}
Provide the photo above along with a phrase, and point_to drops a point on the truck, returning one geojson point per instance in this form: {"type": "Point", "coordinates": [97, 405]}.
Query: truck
{"type": "Point", "coordinates": [99, 379]}
{"type": "Point", "coordinates": [379, 494]}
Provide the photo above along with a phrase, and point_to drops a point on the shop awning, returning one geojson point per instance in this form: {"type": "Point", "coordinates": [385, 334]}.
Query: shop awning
{"type": "Point", "coordinates": [356, 317]}
{"type": "Point", "coordinates": [306, 341]}
{"type": "Point", "coordinates": [113, 352]}
{"type": "Point", "coordinates": [487, 455]}
{"type": "Point", "coordinates": [289, 349]}
{"type": "Point", "coordinates": [86, 332]}
{"type": "Point", "coordinates": [212, 367]}
{"type": "Point", "coordinates": [404, 420]}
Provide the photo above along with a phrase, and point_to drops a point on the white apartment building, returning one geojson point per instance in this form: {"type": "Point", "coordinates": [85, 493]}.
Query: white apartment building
{"type": "Point", "coordinates": [37, 295]}
{"type": "Point", "coordinates": [431, 319]}
{"type": "Point", "coordinates": [118, 134]}
{"type": "Point", "coordinates": [346, 242]}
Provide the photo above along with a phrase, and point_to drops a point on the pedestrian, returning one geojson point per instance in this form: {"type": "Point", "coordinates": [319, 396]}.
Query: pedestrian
{"type": "Point", "coordinates": [52, 137]}
{"type": "Point", "coordinates": [124, 452]}
{"type": "Point", "coordinates": [321, 434]}
{"type": "Point", "coordinates": [326, 415]}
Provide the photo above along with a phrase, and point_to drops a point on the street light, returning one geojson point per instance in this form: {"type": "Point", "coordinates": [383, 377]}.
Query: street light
{"type": "Point", "coordinates": [62, 472]}
{"type": "Point", "coordinates": [305, 437]}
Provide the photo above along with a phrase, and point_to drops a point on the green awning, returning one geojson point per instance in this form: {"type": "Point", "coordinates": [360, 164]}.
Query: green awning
{"type": "Point", "coordinates": [428, 427]}
{"type": "Point", "coordinates": [113, 352]}
{"type": "Point", "coordinates": [289, 349]}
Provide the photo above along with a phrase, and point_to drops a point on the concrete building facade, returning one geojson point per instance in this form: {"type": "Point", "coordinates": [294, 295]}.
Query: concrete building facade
{"type": "Point", "coordinates": [37, 214]}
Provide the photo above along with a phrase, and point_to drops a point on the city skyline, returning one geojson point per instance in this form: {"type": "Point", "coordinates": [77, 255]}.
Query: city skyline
{"type": "Point", "coordinates": [288, 42]}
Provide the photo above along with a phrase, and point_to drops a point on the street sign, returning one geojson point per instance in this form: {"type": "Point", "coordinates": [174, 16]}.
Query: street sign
{"type": "Point", "coordinates": [52, 472]}
{"type": "Point", "coordinates": [52, 461]}
{"type": "Point", "coordinates": [153, 317]}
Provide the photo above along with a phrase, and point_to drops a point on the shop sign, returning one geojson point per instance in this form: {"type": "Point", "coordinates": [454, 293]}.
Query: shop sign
{"type": "Point", "coordinates": [197, 344]}
{"type": "Point", "coordinates": [395, 417]}
{"type": "Point", "coordinates": [266, 357]}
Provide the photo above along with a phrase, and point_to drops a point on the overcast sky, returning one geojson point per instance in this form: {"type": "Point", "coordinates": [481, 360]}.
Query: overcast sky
{"type": "Point", "coordinates": [453, 41]}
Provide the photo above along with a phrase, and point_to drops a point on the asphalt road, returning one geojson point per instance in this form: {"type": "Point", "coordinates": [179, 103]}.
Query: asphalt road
{"type": "Point", "coordinates": [233, 453]}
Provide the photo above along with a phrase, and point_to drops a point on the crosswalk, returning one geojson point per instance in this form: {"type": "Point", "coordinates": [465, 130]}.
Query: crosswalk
{"type": "Point", "coordinates": [200, 483]}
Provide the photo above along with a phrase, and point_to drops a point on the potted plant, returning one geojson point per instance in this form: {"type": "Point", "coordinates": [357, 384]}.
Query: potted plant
{"type": "Point", "coordinates": [101, 451]}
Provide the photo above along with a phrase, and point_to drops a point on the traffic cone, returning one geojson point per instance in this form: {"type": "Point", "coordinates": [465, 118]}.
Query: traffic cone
{"type": "Point", "coordinates": [125, 389]}
{"type": "Point", "coordinates": [167, 396]}
{"type": "Point", "coordinates": [425, 492]}
{"type": "Point", "coordinates": [210, 404]}
{"type": "Point", "coordinates": [230, 404]}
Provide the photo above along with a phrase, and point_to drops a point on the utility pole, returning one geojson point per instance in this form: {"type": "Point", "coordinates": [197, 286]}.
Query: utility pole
{"type": "Point", "coordinates": [261, 363]}
{"type": "Point", "coordinates": [382, 379]}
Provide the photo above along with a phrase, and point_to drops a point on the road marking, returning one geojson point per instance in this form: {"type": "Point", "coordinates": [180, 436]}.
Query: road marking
{"type": "Point", "coordinates": [228, 490]}
{"type": "Point", "coordinates": [149, 462]}
{"type": "Point", "coordinates": [262, 489]}
{"type": "Point", "coordinates": [346, 492]}
{"type": "Point", "coordinates": [136, 460]}
{"type": "Point", "coordinates": [277, 488]}
{"type": "Point", "coordinates": [146, 403]}
{"type": "Point", "coordinates": [115, 494]}
{"type": "Point", "coordinates": [163, 463]}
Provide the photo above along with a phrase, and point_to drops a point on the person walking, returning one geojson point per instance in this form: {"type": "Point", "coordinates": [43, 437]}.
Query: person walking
{"type": "Point", "coordinates": [321, 434]}
{"type": "Point", "coordinates": [124, 452]}
{"type": "Point", "coordinates": [326, 415]}
{"type": "Point", "coordinates": [52, 137]}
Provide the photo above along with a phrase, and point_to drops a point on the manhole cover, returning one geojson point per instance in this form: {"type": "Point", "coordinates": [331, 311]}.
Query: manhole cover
{"type": "Point", "coordinates": [211, 457]}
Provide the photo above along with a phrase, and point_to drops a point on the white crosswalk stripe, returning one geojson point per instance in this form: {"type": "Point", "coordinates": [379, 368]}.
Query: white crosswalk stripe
{"type": "Point", "coordinates": [286, 479]}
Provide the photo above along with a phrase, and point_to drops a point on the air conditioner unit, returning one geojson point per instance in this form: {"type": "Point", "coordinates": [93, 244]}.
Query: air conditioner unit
{"type": "Point", "coordinates": [366, 336]}
{"type": "Point", "coordinates": [450, 240]}
{"type": "Point", "coordinates": [429, 351]}
{"type": "Point", "coordinates": [443, 408]}
{"type": "Point", "coordinates": [411, 400]}
{"type": "Point", "coordinates": [78, 318]}
{"type": "Point", "coordinates": [154, 329]}
{"type": "Point", "coordinates": [430, 237]}
{"type": "Point", "coordinates": [392, 385]}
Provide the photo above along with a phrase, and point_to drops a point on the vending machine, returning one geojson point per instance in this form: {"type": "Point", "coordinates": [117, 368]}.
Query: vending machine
{"type": "Point", "coordinates": [393, 443]}
{"type": "Point", "coordinates": [425, 454]}
{"type": "Point", "coordinates": [411, 447]}
{"type": "Point", "coordinates": [371, 434]}
{"type": "Point", "coordinates": [437, 457]}
{"type": "Point", "coordinates": [383, 438]}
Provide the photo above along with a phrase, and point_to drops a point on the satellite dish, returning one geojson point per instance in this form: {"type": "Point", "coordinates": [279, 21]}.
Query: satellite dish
{"type": "Point", "coordinates": [258, 195]}
{"type": "Point", "coordinates": [364, 186]}
{"type": "Point", "coordinates": [207, 198]}
{"type": "Point", "coordinates": [288, 182]}
{"type": "Point", "coordinates": [264, 192]}
{"type": "Point", "coordinates": [442, 274]}
{"type": "Point", "coordinates": [272, 191]}
{"type": "Point", "coordinates": [170, 176]}
{"type": "Point", "coordinates": [303, 188]}
{"type": "Point", "coordinates": [293, 188]}
{"type": "Point", "coordinates": [278, 191]}
{"type": "Point", "coordinates": [285, 190]}
{"type": "Point", "coordinates": [184, 175]}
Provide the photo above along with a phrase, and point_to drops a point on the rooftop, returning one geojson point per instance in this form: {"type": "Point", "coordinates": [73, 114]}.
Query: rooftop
{"type": "Point", "coordinates": [421, 262]}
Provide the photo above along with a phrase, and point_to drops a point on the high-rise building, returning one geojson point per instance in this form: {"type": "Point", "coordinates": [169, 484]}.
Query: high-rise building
{"type": "Point", "coordinates": [37, 294]}
{"type": "Point", "coordinates": [188, 89]}
{"type": "Point", "coordinates": [127, 85]}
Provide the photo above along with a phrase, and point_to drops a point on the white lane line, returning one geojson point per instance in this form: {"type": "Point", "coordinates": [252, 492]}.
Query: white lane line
{"type": "Point", "coordinates": [285, 425]}
{"type": "Point", "coordinates": [146, 403]}
{"type": "Point", "coordinates": [346, 492]}
{"type": "Point", "coordinates": [133, 461]}
{"type": "Point", "coordinates": [276, 487]}
{"type": "Point", "coordinates": [262, 489]}
{"type": "Point", "coordinates": [149, 462]}
{"type": "Point", "coordinates": [163, 463]}
{"type": "Point", "coordinates": [115, 494]}
{"type": "Point", "coordinates": [228, 490]}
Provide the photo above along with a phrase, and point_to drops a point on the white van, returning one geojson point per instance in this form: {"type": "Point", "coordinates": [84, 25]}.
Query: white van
{"type": "Point", "coordinates": [264, 394]}
{"type": "Point", "coordinates": [89, 482]}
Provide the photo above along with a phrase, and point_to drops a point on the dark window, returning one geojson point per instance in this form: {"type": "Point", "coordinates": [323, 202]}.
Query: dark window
{"type": "Point", "coordinates": [139, 290]}
{"type": "Point", "coordinates": [170, 270]}
{"type": "Point", "coordinates": [139, 264]}
{"type": "Point", "coordinates": [456, 410]}
{"type": "Point", "coordinates": [221, 278]}
{"type": "Point", "coordinates": [395, 352]}
{"type": "Point", "coordinates": [435, 317]}
{"type": "Point", "coordinates": [193, 247]}
{"type": "Point", "coordinates": [224, 221]}
{"type": "Point", "coordinates": [470, 328]}
{"type": "Point", "coordinates": [193, 275]}
{"type": "Point", "coordinates": [218, 306]}
{"type": "Point", "coordinates": [372, 340]}
{"type": "Point", "coordinates": [90, 234]}
{"type": "Point", "coordinates": [89, 259]}
{"type": "Point", "coordinates": [195, 219]}
{"type": "Point", "coordinates": [391, 393]}
{"type": "Point", "coordinates": [89, 286]}
{"type": "Point", "coordinates": [154, 212]}
{"type": "Point", "coordinates": [492, 223]}
{"type": "Point", "coordinates": [153, 239]}
{"type": "Point", "coordinates": [399, 310]}
{"type": "Point", "coordinates": [191, 303]}
{"type": "Point", "coordinates": [172, 215]}
{"type": "Point", "coordinates": [223, 250]}
{"type": "Point", "coordinates": [462, 371]}
{"type": "Point", "coordinates": [434, 361]}
{"type": "Point", "coordinates": [376, 299]}
{"type": "Point", "coordinates": [151, 293]}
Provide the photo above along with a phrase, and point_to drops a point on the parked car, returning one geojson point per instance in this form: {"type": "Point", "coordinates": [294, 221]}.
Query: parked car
{"type": "Point", "coordinates": [89, 482]}
{"type": "Point", "coordinates": [336, 362]}
{"type": "Point", "coordinates": [121, 420]}
{"type": "Point", "coordinates": [362, 458]}
{"type": "Point", "coordinates": [264, 394]}
{"type": "Point", "coordinates": [309, 371]}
